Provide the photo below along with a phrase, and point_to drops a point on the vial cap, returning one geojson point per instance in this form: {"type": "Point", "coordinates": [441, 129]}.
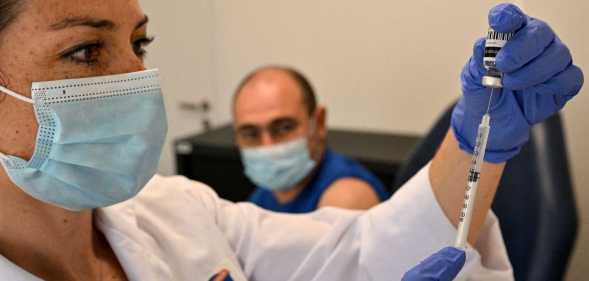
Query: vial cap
{"type": "Point", "coordinates": [492, 82]}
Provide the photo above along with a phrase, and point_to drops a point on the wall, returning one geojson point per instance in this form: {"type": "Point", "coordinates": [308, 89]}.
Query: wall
{"type": "Point", "coordinates": [379, 65]}
{"type": "Point", "coordinates": [183, 51]}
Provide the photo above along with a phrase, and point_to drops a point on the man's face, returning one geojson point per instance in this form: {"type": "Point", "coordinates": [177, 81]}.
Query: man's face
{"type": "Point", "coordinates": [270, 109]}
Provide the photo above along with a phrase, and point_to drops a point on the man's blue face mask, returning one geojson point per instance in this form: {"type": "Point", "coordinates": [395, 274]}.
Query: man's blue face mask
{"type": "Point", "coordinates": [278, 167]}
{"type": "Point", "coordinates": [99, 140]}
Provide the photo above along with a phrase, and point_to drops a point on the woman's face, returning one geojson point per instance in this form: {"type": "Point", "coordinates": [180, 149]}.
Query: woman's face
{"type": "Point", "coordinates": [61, 39]}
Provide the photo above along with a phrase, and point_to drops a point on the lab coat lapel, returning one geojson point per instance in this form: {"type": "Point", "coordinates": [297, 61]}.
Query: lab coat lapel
{"type": "Point", "coordinates": [164, 234]}
{"type": "Point", "coordinates": [134, 249]}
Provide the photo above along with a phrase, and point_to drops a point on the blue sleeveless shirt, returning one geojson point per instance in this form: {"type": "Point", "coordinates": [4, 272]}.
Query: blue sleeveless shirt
{"type": "Point", "coordinates": [333, 167]}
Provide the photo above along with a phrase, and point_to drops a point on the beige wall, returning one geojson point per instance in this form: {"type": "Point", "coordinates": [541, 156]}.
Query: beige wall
{"type": "Point", "coordinates": [183, 51]}
{"type": "Point", "coordinates": [379, 65]}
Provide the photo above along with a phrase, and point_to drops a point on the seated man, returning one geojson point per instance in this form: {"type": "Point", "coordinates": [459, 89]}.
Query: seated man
{"type": "Point", "coordinates": [282, 136]}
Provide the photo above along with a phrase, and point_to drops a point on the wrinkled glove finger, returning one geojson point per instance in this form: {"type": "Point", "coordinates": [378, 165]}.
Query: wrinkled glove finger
{"type": "Point", "coordinates": [474, 69]}
{"type": "Point", "coordinates": [553, 60]}
{"type": "Point", "coordinates": [452, 261]}
{"type": "Point", "coordinates": [546, 99]}
{"type": "Point", "coordinates": [443, 266]}
{"type": "Point", "coordinates": [506, 17]}
{"type": "Point", "coordinates": [527, 44]}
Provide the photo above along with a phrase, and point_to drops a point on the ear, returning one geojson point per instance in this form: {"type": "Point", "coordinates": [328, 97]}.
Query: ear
{"type": "Point", "coordinates": [321, 123]}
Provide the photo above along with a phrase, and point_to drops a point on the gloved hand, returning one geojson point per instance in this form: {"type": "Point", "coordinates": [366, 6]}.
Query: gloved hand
{"type": "Point", "coordinates": [441, 266]}
{"type": "Point", "coordinates": [539, 78]}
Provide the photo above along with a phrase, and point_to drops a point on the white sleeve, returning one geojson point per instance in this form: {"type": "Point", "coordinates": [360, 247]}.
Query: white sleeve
{"type": "Point", "coordinates": [334, 244]}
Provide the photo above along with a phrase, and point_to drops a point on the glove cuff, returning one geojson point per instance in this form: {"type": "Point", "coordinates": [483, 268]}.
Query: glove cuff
{"type": "Point", "coordinates": [498, 150]}
{"type": "Point", "coordinates": [491, 156]}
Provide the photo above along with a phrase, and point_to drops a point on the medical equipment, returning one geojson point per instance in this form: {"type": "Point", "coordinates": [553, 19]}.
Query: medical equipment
{"type": "Point", "coordinates": [492, 79]}
{"type": "Point", "coordinates": [495, 41]}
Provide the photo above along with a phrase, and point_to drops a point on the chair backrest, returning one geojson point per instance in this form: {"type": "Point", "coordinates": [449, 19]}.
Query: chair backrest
{"type": "Point", "coordinates": [535, 202]}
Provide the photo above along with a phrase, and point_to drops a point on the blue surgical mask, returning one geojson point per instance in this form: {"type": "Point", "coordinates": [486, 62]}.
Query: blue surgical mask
{"type": "Point", "coordinates": [99, 140]}
{"type": "Point", "coordinates": [278, 167]}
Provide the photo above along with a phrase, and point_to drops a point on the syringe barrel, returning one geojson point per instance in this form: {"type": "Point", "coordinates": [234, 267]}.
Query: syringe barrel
{"type": "Point", "coordinates": [481, 141]}
{"type": "Point", "coordinates": [474, 175]}
{"type": "Point", "coordinates": [466, 212]}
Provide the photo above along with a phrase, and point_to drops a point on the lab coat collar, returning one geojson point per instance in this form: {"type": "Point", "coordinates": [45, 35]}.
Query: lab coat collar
{"type": "Point", "coordinates": [119, 225]}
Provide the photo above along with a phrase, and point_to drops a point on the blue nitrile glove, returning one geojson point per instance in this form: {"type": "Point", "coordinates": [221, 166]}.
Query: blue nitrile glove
{"type": "Point", "coordinates": [539, 78]}
{"type": "Point", "coordinates": [441, 266]}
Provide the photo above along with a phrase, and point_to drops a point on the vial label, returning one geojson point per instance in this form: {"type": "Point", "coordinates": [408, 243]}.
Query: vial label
{"type": "Point", "coordinates": [493, 44]}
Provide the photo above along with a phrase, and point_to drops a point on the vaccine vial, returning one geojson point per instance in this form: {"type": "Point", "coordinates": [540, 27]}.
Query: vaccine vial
{"type": "Point", "coordinates": [495, 41]}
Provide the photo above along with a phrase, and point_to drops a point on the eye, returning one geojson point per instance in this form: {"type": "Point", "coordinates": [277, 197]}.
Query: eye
{"type": "Point", "coordinates": [87, 53]}
{"type": "Point", "coordinates": [249, 136]}
{"type": "Point", "coordinates": [140, 45]}
{"type": "Point", "coordinates": [282, 128]}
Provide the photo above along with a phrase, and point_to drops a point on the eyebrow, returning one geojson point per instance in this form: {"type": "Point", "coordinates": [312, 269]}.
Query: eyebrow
{"type": "Point", "coordinates": [92, 22]}
{"type": "Point", "coordinates": [282, 120]}
{"type": "Point", "coordinates": [247, 127]}
{"type": "Point", "coordinates": [275, 122]}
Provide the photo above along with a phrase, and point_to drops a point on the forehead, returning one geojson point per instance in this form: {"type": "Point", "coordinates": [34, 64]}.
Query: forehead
{"type": "Point", "coordinates": [269, 94]}
{"type": "Point", "coordinates": [51, 11]}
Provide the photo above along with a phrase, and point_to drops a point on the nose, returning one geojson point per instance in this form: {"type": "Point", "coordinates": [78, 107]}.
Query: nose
{"type": "Point", "coordinates": [266, 139]}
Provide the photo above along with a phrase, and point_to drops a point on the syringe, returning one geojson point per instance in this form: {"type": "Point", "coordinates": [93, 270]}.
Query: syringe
{"type": "Point", "coordinates": [474, 175]}
{"type": "Point", "coordinates": [493, 80]}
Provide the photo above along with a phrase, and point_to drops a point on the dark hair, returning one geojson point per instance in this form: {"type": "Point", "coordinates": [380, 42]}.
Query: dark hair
{"type": "Point", "coordinates": [8, 11]}
{"type": "Point", "coordinates": [309, 97]}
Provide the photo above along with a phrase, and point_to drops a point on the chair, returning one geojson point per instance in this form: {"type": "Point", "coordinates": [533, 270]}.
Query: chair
{"type": "Point", "coordinates": [535, 202]}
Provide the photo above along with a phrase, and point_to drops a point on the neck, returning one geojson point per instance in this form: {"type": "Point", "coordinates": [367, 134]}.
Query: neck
{"type": "Point", "coordinates": [291, 194]}
{"type": "Point", "coordinates": [45, 240]}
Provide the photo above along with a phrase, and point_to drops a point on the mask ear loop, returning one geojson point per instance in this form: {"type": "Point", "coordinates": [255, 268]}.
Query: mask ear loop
{"type": "Point", "coordinates": [15, 95]}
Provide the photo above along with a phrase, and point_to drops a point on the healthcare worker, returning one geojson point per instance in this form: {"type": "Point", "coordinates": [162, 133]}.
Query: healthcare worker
{"type": "Point", "coordinates": [78, 199]}
{"type": "Point", "coordinates": [282, 135]}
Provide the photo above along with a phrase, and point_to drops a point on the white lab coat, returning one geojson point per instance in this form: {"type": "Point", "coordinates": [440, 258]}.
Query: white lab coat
{"type": "Point", "coordinates": [177, 229]}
